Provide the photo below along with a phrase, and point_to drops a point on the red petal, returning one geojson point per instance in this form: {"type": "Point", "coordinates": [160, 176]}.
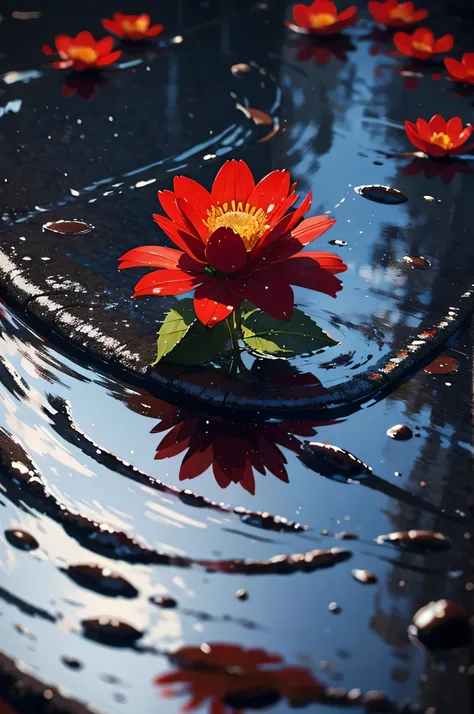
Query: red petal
{"type": "Point", "coordinates": [301, 16]}
{"type": "Point", "coordinates": [196, 194]}
{"type": "Point", "coordinates": [270, 190]}
{"type": "Point", "coordinates": [323, 6]}
{"type": "Point", "coordinates": [167, 282]}
{"type": "Point", "coordinates": [104, 47]}
{"type": "Point", "coordinates": [455, 69]}
{"type": "Point", "coordinates": [437, 124]}
{"type": "Point", "coordinates": [168, 204]}
{"type": "Point", "coordinates": [266, 291]}
{"type": "Point", "coordinates": [454, 128]}
{"type": "Point", "coordinates": [311, 228]}
{"type": "Point", "coordinates": [329, 261]}
{"type": "Point", "coordinates": [213, 302]}
{"type": "Point", "coordinates": [108, 59]}
{"type": "Point", "coordinates": [191, 245]}
{"type": "Point", "coordinates": [304, 206]}
{"type": "Point", "coordinates": [111, 26]}
{"type": "Point", "coordinates": [424, 36]}
{"type": "Point", "coordinates": [307, 273]}
{"type": "Point", "coordinates": [191, 218]}
{"type": "Point", "coordinates": [234, 182]}
{"type": "Point", "coordinates": [195, 463]}
{"type": "Point", "coordinates": [152, 256]}
{"type": "Point", "coordinates": [403, 43]}
{"type": "Point", "coordinates": [346, 15]}
{"type": "Point", "coordinates": [226, 251]}
{"type": "Point", "coordinates": [155, 30]}
{"type": "Point", "coordinates": [414, 136]}
{"type": "Point", "coordinates": [84, 38]}
{"type": "Point", "coordinates": [47, 50]}
{"type": "Point", "coordinates": [444, 44]}
{"type": "Point", "coordinates": [63, 43]}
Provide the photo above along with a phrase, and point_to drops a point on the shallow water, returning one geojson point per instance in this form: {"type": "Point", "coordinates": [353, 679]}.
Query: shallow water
{"type": "Point", "coordinates": [88, 434]}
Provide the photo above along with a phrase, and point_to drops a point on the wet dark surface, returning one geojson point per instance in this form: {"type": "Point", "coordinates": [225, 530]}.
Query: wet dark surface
{"type": "Point", "coordinates": [134, 577]}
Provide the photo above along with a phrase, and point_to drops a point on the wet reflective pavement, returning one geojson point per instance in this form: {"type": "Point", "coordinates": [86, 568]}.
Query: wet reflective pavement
{"type": "Point", "coordinates": [117, 584]}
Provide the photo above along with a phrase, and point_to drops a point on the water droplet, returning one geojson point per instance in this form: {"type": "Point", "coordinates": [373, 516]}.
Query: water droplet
{"type": "Point", "coordinates": [381, 194]}
{"type": "Point", "coordinates": [400, 432]}
{"type": "Point", "coordinates": [441, 624]}
{"type": "Point", "coordinates": [334, 607]}
{"type": "Point", "coordinates": [21, 539]}
{"type": "Point", "coordinates": [332, 462]}
{"type": "Point", "coordinates": [164, 601]}
{"type": "Point", "coordinates": [364, 576]}
{"type": "Point", "coordinates": [64, 227]}
{"type": "Point", "coordinates": [417, 262]}
{"type": "Point", "coordinates": [345, 535]}
{"type": "Point", "coordinates": [337, 242]}
{"type": "Point", "coordinates": [442, 365]}
{"type": "Point", "coordinates": [101, 580]}
{"type": "Point", "coordinates": [242, 594]}
{"type": "Point", "coordinates": [109, 631]}
{"type": "Point", "coordinates": [71, 662]}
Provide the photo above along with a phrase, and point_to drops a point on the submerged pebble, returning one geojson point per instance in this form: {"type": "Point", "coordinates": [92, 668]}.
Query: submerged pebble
{"type": "Point", "coordinates": [164, 601]}
{"type": "Point", "coordinates": [101, 580]}
{"type": "Point", "coordinates": [441, 624]}
{"type": "Point", "coordinates": [364, 576]}
{"type": "Point", "coordinates": [381, 194]}
{"type": "Point", "coordinates": [110, 631]}
{"type": "Point", "coordinates": [418, 262]}
{"type": "Point", "coordinates": [332, 462]}
{"type": "Point", "coordinates": [400, 432]}
{"type": "Point", "coordinates": [21, 539]}
{"type": "Point", "coordinates": [416, 540]}
{"type": "Point", "coordinates": [72, 663]}
{"type": "Point", "coordinates": [242, 594]}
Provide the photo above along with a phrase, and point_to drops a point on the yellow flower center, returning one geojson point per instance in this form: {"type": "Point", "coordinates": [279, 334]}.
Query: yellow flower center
{"type": "Point", "coordinates": [140, 25]}
{"type": "Point", "coordinates": [85, 54]}
{"type": "Point", "coordinates": [399, 13]}
{"type": "Point", "coordinates": [441, 139]}
{"type": "Point", "coordinates": [322, 19]}
{"type": "Point", "coordinates": [249, 222]}
{"type": "Point", "coordinates": [422, 47]}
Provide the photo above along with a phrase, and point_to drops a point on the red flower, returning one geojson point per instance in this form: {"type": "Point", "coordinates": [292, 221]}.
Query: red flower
{"type": "Point", "coordinates": [396, 14]}
{"type": "Point", "coordinates": [439, 137]}
{"type": "Point", "coordinates": [237, 243]}
{"type": "Point", "coordinates": [322, 18]}
{"type": "Point", "coordinates": [422, 44]}
{"type": "Point", "coordinates": [461, 71]}
{"type": "Point", "coordinates": [131, 27]}
{"type": "Point", "coordinates": [231, 679]}
{"type": "Point", "coordinates": [83, 52]}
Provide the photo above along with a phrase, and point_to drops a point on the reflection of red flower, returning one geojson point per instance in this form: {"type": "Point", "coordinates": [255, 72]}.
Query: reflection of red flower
{"type": "Point", "coordinates": [83, 84]}
{"type": "Point", "coordinates": [446, 169]}
{"type": "Point", "coordinates": [422, 44]}
{"type": "Point", "coordinates": [237, 243]}
{"type": "Point", "coordinates": [461, 71]}
{"type": "Point", "coordinates": [321, 50]}
{"type": "Point", "coordinates": [396, 14]}
{"type": "Point", "coordinates": [439, 137]}
{"type": "Point", "coordinates": [322, 18]}
{"type": "Point", "coordinates": [83, 52]}
{"type": "Point", "coordinates": [234, 449]}
{"type": "Point", "coordinates": [131, 27]}
{"type": "Point", "coordinates": [231, 678]}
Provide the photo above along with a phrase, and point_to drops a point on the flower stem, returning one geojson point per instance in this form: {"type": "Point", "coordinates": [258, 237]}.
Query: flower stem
{"type": "Point", "coordinates": [233, 324]}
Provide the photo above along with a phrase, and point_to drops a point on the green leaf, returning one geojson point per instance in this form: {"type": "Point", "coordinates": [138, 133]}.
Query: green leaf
{"type": "Point", "coordinates": [266, 335]}
{"type": "Point", "coordinates": [200, 345]}
{"type": "Point", "coordinates": [175, 326]}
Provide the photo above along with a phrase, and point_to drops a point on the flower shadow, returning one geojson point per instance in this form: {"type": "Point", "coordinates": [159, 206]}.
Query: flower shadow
{"type": "Point", "coordinates": [445, 168]}
{"type": "Point", "coordinates": [321, 50]}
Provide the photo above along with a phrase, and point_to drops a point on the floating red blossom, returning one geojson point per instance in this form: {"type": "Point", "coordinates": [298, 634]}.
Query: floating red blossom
{"type": "Point", "coordinates": [396, 14]}
{"type": "Point", "coordinates": [83, 52]}
{"type": "Point", "coordinates": [237, 243]}
{"type": "Point", "coordinates": [439, 137]}
{"type": "Point", "coordinates": [131, 27]}
{"type": "Point", "coordinates": [462, 71]}
{"type": "Point", "coordinates": [232, 679]}
{"type": "Point", "coordinates": [322, 18]}
{"type": "Point", "coordinates": [422, 44]}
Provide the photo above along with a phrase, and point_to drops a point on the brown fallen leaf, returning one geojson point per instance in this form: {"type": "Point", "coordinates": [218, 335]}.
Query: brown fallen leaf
{"type": "Point", "coordinates": [256, 115]}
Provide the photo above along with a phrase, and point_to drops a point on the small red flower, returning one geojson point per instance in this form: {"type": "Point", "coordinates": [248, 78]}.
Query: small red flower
{"type": "Point", "coordinates": [237, 243]}
{"type": "Point", "coordinates": [396, 14]}
{"type": "Point", "coordinates": [422, 44]}
{"type": "Point", "coordinates": [439, 137]}
{"type": "Point", "coordinates": [322, 18]}
{"type": "Point", "coordinates": [461, 71]}
{"type": "Point", "coordinates": [83, 52]}
{"type": "Point", "coordinates": [131, 27]}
